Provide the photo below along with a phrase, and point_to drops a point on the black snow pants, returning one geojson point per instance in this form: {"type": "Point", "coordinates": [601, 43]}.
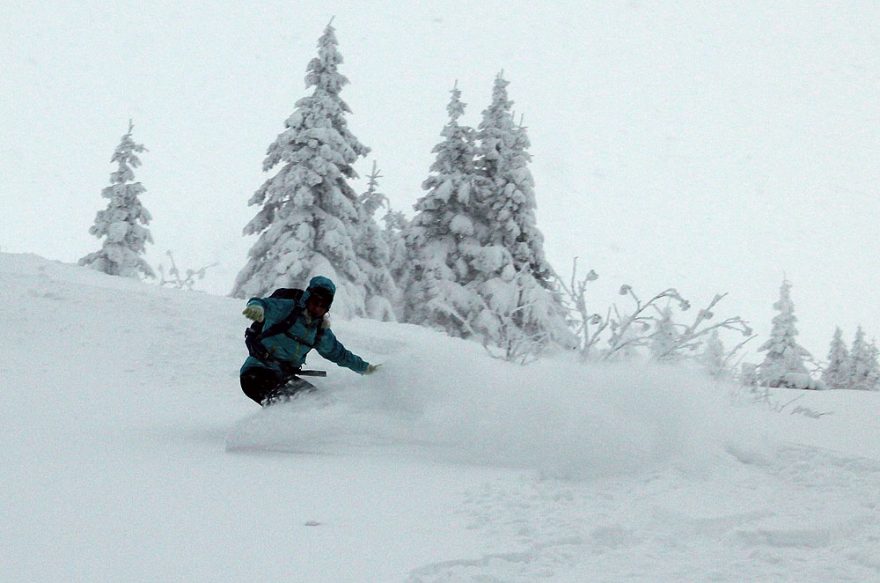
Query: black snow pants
{"type": "Point", "coordinates": [266, 387]}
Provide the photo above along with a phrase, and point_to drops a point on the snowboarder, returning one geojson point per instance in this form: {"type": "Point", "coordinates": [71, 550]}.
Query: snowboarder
{"type": "Point", "coordinates": [292, 324]}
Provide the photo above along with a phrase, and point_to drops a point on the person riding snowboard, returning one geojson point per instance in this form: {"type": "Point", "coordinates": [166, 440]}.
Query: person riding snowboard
{"type": "Point", "coordinates": [291, 327]}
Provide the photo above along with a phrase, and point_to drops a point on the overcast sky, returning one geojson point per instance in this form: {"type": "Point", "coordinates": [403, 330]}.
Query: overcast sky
{"type": "Point", "coordinates": [713, 147]}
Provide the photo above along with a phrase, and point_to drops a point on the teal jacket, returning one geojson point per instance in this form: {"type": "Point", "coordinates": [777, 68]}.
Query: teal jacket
{"type": "Point", "coordinates": [293, 346]}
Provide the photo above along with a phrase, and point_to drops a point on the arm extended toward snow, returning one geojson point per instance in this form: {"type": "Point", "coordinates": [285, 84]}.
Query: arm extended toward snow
{"type": "Point", "coordinates": [333, 350]}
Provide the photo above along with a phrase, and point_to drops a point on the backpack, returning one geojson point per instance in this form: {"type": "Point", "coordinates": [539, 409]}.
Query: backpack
{"type": "Point", "coordinates": [254, 334]}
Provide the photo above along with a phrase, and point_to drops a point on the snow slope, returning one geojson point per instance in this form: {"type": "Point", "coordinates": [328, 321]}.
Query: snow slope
{"type": "Point", "coordinates": [129, 453]}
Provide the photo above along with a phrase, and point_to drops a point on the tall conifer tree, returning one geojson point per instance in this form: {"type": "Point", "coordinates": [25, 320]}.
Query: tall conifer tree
{"type": "Point", "coordinates": [514, 249]}
{"type": "Point", "coordinates": [444, 237]}
{"type": "Point", "coordinates": [310, 223]}
{"type": "Point", "coordinates": [508, 187]}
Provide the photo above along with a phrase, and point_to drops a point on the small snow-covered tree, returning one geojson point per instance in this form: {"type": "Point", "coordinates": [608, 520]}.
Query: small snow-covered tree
{"type": "Point", "coordinates": [873, 377]}
{"type": "Point", "coordinates": [748, 376]}
{"type": "Point", "coordinates": [444, 238]}
{"type": "Point", "coordinates": [122, 222]}
{"type": "Point", "coordinates": [631, 330]}
{"type": "Point", "coordinates": [310, 223]}
{"type": "Point", "coordinates": [864, 369]}
{"type": "Point", "coordinates": [664, 338]}
{"type": "Point", "coordinates": [784, 362]}
{"type": "Point", "coordinates": [837, 372]}
{"type": "Point", "coordinates": [395, 225]}
{"type": "Point", "coordinates": [713, 358]}
{"type": "Point", "coordinates": [372, 251]}
{"type": "Point", "coordinates": [373, 199]}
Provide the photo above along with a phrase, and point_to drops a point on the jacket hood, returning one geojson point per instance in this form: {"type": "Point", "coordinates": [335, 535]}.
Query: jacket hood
{"type": "Point", "coordinates": [322, 282]}
{"type": "Point", "coordinates": [320, 286]}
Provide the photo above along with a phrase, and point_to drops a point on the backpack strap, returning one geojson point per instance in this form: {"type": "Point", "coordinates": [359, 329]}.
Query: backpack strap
{"type": "Point", "coordinates": [254, 335]}
{"type": "Point", "coordinates": [287, 293]}
{"type": "Point", "coordinates": [281, 326]}
{"type": "Point", "coordinates": [287, 323]}
{"type": "Point", "coordinates": [318, 335]}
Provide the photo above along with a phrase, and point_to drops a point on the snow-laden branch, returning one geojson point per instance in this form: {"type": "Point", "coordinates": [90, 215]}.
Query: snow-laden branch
{"type": "Point", "coordinates": [690, 336]}
{"type": "Point", "coordinates": [588, 327]}
{"type": "Point", "coordinates": [626, 328]}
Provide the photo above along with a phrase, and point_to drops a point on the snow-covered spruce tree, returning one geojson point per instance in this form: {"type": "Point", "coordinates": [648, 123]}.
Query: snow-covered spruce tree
{"type": "Point", "coordinates": [783, 366]}
{"type": "Point", "coordinates": [122, 222]}
{"type": "Point", "coordinates": [664, 340]}
{"type": "Point", "coordinates": [713, 358]}
{"type": "Point", "coordinates": [374, 257]}
{"type": "Point", "coordinates": [444, 238]}
{"type": "Point", "coordinates": [310, 222]}
{"type": "Point", "coordinates": [395, 225]}
{"type": "Point", "coordinates": [507, 188]}
{"type": "Point", "coordinates": [837, 372]}
{"type": "Point", "coordinates": [863, 369]}
{"type": "Point", "coordinates": [506, 196]}
{"type": "Point", "coordinates": [873, 377]}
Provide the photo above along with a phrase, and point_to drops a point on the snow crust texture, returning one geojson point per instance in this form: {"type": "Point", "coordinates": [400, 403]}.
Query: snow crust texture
{"type": "Point", "coordinates": [129, 451]}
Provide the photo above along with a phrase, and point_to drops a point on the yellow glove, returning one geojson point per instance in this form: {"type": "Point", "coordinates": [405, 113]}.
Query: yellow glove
{"type": "Point", "coordinates": [254, 312]}
{"type": "Point", "coordinates": [371, 368]}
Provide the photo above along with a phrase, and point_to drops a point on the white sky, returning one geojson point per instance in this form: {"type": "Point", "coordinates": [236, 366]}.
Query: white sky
{"type": "Point", "coordinates": [708, 146]}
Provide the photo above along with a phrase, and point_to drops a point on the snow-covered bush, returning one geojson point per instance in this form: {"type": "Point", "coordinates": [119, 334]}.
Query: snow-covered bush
{"type": "Point", "coordinates": [652, 324]}
{"type": "Point", "coordinates": [181, 281]}
{"type": "Point", "coordinates": [794, 380]}
{"type": "Point", "coordinates": [587, 325]}
{"type": "Point", "coordinates": [649, 324]}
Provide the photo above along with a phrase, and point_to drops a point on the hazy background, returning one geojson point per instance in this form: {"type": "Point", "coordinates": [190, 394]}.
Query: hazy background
{"type": "Point", "coordinates": [708, 146]}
